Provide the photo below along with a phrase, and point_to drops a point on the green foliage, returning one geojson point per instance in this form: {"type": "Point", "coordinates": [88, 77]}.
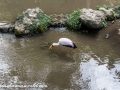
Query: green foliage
{"type": "Point", "coordinates": [103, 24]}
{"type": "Point", "coordinates": [44, 21]}
{"type": "Point", "coordinates": [33, 28]}
{"type": "Point", "coordinates": [20, 17]}
{"type": "Point", "coordinates": [36, 27]}
{"type": "Point", "coordinates": [103, 6]}
{"type": "Point", "coordinates": [73, 21]}
{"type": "Point", "coordinates": [112, 17]}
{"type": "Point", "coordinates": [117, 9]}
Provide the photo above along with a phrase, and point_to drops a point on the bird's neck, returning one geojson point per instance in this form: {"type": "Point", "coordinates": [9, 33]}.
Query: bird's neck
{"type": "Point", "coordinates": [55, 44]}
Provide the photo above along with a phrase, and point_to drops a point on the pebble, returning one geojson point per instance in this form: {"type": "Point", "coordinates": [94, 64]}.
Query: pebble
{"type": "Point", "coordinates": [107, 36]}
{"type": "Point", "coordinates": [119, 31]}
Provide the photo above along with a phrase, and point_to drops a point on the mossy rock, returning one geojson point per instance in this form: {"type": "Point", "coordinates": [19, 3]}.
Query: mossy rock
{"type": "Point", "coordinates": [34, 22]}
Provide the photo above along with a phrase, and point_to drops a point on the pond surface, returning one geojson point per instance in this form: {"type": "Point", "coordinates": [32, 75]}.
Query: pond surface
{"type": "Point", "coordinates": [9, 9]}
{"type": "Point", "coordinates": [94, 65]}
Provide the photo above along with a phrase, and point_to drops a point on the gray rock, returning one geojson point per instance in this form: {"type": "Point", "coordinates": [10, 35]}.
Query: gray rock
{"type": "Point", "coordinates": [27, 20]}
{"type": "Point", "coordinates": [92, 18]}
{"type": "Point", "coordinates": [107, 12]}
{"type": "Point", "coordinates": [20, 28]}
{"type": "Point", "coordinates": [58, 20]}
{"type": "Point", "coordinates": [110, 14]}
{"type": "Point", "coordinates": [117, 16]}
{"type": "Point", "coordinates": [6, 28]}
{"type": "Point", "coordinates": [29, 16]}
{"type": "Point", "coordinates": [119, 31]}
{"type": "Point", "coordinates": [32, 13]}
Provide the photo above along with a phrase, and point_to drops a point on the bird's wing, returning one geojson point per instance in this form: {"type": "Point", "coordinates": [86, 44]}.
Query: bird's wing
{"type": "Point", "coordinates": [66, 42]}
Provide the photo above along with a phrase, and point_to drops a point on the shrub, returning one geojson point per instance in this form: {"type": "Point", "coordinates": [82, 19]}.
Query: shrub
{"type": "Point", "coordinates": [73, 20]}
{"type": "Point", "coordinates": [112, 17]}
{"type": "Point", "coordinates": [44, 21]}
{"type": "Point", "coordinates": [33, 28]}
{"type": "Point", "coordinates": [117, 9]}
{"type": "Point", "coordinates": [20, 17]}
{"type": "Point", "coordinates": [103, 24]}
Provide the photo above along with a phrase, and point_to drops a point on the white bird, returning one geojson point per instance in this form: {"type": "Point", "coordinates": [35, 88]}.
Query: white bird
{"type": "Point", "coordinates": [64, 42]}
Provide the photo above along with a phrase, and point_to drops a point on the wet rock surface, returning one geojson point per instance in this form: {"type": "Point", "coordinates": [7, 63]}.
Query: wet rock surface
{"type": "Point", "coordinates": [58, 20]}
{"type": "Point", "coordinates": [92, 18]}
{"type": "Point", "coordinates": [6, 28]}
{"type": "Point", "coordinates": [26, 19]}
{"type": "Point", "coordinates": [110, 14]}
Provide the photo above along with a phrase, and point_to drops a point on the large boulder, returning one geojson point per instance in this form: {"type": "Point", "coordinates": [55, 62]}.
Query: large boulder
{"type": "Point", "coordinates": [32, 22]}
{"type": "Point", "coordinates": [93, 19]}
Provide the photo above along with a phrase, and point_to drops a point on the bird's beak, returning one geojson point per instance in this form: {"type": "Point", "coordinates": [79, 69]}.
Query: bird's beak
{"type": "Point", "coordinates": [51, 47]}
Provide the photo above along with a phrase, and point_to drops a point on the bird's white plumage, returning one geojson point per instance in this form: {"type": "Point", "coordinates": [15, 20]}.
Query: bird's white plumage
{"type": "Point", "coordinates": [66, 41]}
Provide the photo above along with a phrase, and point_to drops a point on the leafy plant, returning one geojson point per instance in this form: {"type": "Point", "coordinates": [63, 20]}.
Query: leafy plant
{"type": "Point", "coordinates": [103, 24]}
{"type": "Point", "coordinates": [117, 9]}
{"type": "Point", "coordinates": [20, 17]}
{"type": "Point", "coordinates": [73, 21]}
{"type": "Point", "coordinates": [33, 28]}
{"type": "Point", "coordinates": [44, 21]}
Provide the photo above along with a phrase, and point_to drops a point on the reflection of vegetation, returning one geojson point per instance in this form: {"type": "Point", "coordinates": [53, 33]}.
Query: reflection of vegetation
{"type": "Point", "coordinates": [86, 49]}
{"type": "Point", "coordinates": [73, 21]}
{"type": "Point", "coordinates": [5, 15]}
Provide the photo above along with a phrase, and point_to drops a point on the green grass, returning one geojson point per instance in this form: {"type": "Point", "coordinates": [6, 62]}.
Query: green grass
{"type": "Point", "coordinates": [73, 20]}
{"type": "Point", "coordinates": [103, 24]}
{"type": "Point", "coordinates": [20, 17]}
{"type": "Point", "coordinates": [33, 28]}
{"type": "Point", "coordinates": [44, 21]}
